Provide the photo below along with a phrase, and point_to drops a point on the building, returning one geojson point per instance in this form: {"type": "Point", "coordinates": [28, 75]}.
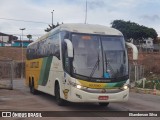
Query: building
{"type": "Point", "coordinates": [6, 39]}
{"type": "Point", "coordinates": [143, 44]}
{"type": "Point", "coordinates": [148, 44]}
{"type": "Point", "coordinates": [12, 41]}
{"type": "Point", "coordinates": [18, 43]}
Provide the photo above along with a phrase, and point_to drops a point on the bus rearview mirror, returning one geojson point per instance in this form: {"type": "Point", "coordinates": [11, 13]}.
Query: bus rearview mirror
{"type": "Point", "coordinates": [69, 47]}
{"type": "Point", "coordinates": [134, 49]}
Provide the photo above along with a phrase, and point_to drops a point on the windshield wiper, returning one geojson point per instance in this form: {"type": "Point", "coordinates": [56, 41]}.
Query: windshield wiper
{"type": "Point", "coordinates": [108, 64]}
{"type": "Point", "coordinates": [95, 66]}
{"type": "Point", "coordinates": [106, 61]}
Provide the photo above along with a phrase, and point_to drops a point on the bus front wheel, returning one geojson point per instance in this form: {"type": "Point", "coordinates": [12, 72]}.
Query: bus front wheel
{"type": "Point", "coordinates": [104, 104]}
{"type": "Point", "coordinates": [59, 101]}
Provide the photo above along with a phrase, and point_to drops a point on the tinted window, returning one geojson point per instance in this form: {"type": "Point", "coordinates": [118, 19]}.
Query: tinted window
{"type": "Point", "coordinates": [45, 48]}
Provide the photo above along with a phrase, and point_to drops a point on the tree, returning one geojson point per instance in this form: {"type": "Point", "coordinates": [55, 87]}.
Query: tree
{"type": "Point", "coordinates": [51, 27]}
{"type": "Point", "coordinates": [134, 30]}
{"type": "Point", "coordinates": [29, 37]}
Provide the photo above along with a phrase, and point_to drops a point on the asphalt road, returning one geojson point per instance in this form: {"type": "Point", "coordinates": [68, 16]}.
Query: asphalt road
{"type": "Point", "coordinates": [20, 99]}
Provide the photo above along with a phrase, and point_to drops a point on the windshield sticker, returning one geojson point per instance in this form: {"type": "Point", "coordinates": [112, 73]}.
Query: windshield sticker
{"type": "Point", "coordinates": [106, 75]}
{"type": "Point", "coordinates": [86, 38]}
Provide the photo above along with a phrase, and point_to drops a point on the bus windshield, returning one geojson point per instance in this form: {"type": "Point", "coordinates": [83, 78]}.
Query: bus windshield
{"type": "Point", "coordinates": [97, 56]}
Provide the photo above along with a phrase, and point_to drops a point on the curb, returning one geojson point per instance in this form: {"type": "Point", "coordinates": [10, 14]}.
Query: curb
{"type": "Point", "coordinates": [145, 91]}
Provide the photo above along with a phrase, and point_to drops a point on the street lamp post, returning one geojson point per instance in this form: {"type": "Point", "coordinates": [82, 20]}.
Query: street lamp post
{"type": "Point", "coordinates": [52, 17]}
{"type": "Point", "coordinates": [86, 14]}
{"type": "Point", "coordinates": [22, 51]}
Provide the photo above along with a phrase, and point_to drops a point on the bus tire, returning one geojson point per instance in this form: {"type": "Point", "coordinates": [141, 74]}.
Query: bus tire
{"type": "Point", "coordinates": [32, 89]}
{"type": "Point", "coordinates": [29, 83]}
{"type": "Point", "coordinates": [104, 104]}
{"type": "Point", "coordinates": [59, 101]}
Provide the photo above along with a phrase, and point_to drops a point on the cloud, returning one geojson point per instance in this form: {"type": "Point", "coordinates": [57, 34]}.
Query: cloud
{"type": "Point", "coordinates": [73, 11]}
{"type": "Point", "coordinates": [96, 4]}
{"type": "Point", "coordinates": [151, 17]}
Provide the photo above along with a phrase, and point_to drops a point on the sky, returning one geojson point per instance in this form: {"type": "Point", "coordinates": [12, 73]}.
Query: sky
{"type": "Point", "coordinates": [103, 12]}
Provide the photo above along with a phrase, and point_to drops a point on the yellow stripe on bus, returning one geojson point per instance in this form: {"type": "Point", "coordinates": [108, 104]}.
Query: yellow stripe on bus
{"type": "Point", "coordinates": [95, 85]}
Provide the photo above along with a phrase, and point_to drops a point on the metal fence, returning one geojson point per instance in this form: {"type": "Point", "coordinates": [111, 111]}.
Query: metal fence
{"type": "Point", "coordinates": [19, 69]}
{"type": "Point", "coordinates": [136, 72]}
{"type": "Point", "coordinates": [156, 47]}
{"type": "Point", "coordinates": [6, 74]}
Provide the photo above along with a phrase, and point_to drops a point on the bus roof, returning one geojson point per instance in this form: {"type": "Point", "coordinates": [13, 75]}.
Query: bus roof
{"type": "Point", "coordinates": [82, 28]}
{"type": "Point", "coordinates": [89, 28]}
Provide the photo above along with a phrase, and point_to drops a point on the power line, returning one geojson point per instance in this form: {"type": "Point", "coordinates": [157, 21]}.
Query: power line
{"type": "Point", "coordinates": [27, 34]}
{"type": "Point", "coordinates": [14, 34]}
{"type": "Point", "coordinates": [24, 20]}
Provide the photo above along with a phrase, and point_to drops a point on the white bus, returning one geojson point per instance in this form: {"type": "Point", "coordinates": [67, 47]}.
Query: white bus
{"type": "Point", "coordinates": [80, 63]}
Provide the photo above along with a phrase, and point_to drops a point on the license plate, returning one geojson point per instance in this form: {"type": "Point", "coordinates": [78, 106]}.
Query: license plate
{"type": "Point", "coordinates": [103, 98]}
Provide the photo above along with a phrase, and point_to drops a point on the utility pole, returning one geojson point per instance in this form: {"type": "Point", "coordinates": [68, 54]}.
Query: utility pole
{"type": "Point", "coordinates": [52, 17]}
{"type": "Point", "coordinates": [52, 26]}
{"type": "Point", "coordinates": [22, 52]}
{"type": "Point", "coordinates": [86, 13]}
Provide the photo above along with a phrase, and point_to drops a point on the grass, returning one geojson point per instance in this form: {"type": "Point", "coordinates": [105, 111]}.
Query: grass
{"type": "Point", "coordinates": [150, 83]}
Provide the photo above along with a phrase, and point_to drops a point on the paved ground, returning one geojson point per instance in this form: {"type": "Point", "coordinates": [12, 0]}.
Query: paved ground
{"type": "Point", "coordinates": [20, 99]}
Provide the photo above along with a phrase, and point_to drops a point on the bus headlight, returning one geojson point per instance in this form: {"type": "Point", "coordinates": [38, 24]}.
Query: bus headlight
{"type": "Point", "coordinates": [79, 86]}
{"type": "Point", "coordinates": [125, 87]}
{"type": "Point", "coordinates": [75, 85]}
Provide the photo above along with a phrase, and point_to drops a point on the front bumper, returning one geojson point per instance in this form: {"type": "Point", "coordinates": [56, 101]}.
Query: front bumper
{"type": "Point", "coordinates": [78, 95]}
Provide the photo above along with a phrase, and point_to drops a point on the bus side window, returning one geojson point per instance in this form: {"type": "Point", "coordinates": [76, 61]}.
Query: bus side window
{"type": "Point", "coordinates": [28, 53]}
{"type": "Point", "coordinates": [54, 47]}
{"type": "Point", "coordinates": [66, 62]}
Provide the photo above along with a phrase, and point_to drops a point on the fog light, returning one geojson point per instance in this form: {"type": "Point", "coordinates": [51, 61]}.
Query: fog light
{"type": "Point", "coordinates": [125, 87]}
{"type": "Point", "coordinates": [79, 86]}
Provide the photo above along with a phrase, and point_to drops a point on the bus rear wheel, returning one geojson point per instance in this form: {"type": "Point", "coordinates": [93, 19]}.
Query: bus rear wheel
{"type": "Point", "coordinates": [32, 89]}
{"type": "Point", "coordinates": [59, 101]}
{"type": "Point", "coordinates": [104, 104]}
